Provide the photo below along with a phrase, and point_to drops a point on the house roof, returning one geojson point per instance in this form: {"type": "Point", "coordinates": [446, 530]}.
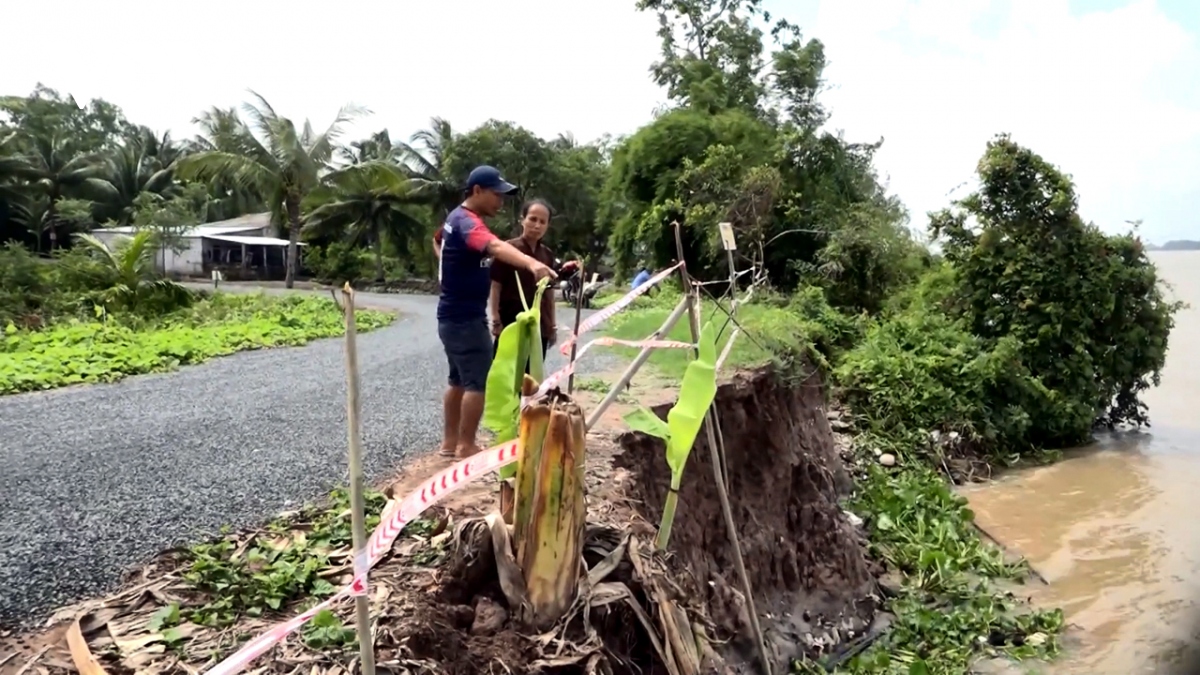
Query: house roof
{"type": "Point", "coordinates": [253, 241]}
{"type": "Point", "coordinates": [247, 223]}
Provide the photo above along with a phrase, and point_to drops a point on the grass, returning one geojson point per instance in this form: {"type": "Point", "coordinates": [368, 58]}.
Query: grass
{"type": "Point", "coordinates": [111, 347]}
{"type": "Point", "coordinates": [765, 324]}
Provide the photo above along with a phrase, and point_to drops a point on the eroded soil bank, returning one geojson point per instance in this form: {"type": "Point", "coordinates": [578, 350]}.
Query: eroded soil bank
{"type": "Point", "coordinates": [812, 581]}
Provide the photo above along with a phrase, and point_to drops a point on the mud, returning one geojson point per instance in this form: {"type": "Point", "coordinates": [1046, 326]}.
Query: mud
{"type": "Point", "coordinates": [813, 583]}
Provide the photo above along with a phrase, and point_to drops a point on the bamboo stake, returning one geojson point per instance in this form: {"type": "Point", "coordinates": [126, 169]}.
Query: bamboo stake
{"type": "Point", "coordinates": [362, 608]}
{"type": "Point", "coordinates": [692, 298]}
{"type": "Point", "coordinates": [637, 364]}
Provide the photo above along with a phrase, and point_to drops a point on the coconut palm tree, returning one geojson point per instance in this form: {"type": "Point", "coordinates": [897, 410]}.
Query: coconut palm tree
{"type": "Point", "coordinates": [54, 171]}
{"type": "Point", "coordinates": [378, 147]}
{"type": "Point", "coordinates": [15, 170]}
{"type": "Point", "coordinates": [425, 157]}
{"type": "Point", "coordinates": [363, 204]}
{"type": "Point", "coordinates": [223, 130]}
{"type": "Point", "coordinates": [142, 164]}
{"type": "Point", "coordinates": [273, 159]}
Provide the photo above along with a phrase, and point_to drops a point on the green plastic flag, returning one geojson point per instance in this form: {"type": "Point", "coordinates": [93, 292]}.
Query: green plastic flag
{"type": "Point", "coordinates": [519, 344]}
{"type": "Point", "coordinates": [696, 394]}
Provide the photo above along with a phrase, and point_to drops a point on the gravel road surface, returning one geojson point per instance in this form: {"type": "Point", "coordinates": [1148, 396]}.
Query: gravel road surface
{"type": "Point", "coordinates": [96, 479]}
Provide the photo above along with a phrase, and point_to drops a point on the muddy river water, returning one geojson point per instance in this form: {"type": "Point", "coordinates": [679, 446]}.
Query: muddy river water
{"type": "Point", "coordinates": [1115, 527]}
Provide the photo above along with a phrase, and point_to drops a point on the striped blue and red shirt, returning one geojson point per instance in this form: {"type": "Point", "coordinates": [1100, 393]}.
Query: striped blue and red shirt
{"type": "Point", "coordinates": [464, 267]}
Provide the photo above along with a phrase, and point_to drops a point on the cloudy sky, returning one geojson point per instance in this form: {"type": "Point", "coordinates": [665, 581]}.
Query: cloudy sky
{"type": "Point", "coordinates": [1107, 89]}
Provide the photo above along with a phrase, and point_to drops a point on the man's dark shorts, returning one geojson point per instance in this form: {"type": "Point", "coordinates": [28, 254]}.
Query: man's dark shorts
{"type": "Point", "coordinates": [468, 346]}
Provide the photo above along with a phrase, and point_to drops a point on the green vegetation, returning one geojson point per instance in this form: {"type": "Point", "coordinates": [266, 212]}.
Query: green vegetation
{"type": "Point", "coordinates": [99, 314]}
{"type": "Point", "coordinates": [1028, 328]}
{"type": "Point", "coordinates": [288, 560]}
{"type": "Point", "coordinates": [1033, 328]}
{"type": "Point", "coordinates": [109, 348]}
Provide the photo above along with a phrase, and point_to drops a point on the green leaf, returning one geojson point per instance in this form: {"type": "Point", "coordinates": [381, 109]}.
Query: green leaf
{"type": "Point", "coordinates": [644, 420]}
{"type": "Point", "coordinates": [696, 394]}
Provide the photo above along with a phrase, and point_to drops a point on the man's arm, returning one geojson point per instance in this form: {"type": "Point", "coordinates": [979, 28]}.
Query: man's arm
{"type": "Point", "coordinates": [437, 243]}
{"type": "Point", "coordinates": [481, 239]}
{"type": "Point", "coordinates": [494, 305]}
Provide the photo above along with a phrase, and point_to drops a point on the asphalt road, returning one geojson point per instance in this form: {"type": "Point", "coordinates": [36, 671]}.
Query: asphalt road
{"type": "Point", "coordinates": [96, 479]}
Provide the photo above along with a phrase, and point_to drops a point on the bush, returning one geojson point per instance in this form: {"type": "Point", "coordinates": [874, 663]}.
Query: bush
{"type": "Point", "coordinates": [25, 286]}
{"type": "Point", "coordinates": [339, 263]}
{"type": "Point", "coordinates": [923, 370]}
{"type": "Point", "coordinates": [1079, 309]}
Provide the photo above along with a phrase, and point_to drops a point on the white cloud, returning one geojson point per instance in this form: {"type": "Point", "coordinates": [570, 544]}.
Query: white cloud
{"type": "Point", "coordinates": [1091, 93]}
{"type": "Point", "coordinates": [936, 78]}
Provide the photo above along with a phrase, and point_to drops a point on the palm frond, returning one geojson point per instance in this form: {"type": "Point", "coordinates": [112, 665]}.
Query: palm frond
{"type": "Point", "coordinates": [240, 171]}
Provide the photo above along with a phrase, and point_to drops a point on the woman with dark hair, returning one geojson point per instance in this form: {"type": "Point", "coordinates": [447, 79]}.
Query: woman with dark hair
{"type": "Point", "coordinates": [508, 282]}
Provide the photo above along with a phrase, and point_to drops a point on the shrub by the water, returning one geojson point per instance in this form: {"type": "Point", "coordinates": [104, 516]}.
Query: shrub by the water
{"type": "Point", "coordinates": [1038, 327]}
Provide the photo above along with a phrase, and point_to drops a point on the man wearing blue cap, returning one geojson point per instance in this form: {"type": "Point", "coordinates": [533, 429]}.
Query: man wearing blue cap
{"type": "Point", "coordinates": [467, 249]}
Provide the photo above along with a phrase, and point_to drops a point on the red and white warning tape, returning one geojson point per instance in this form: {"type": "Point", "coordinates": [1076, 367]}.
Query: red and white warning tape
{"type": "Point", "coordinates": [608, 312]}
{"type": "Point", "coordinates": [436, 488]}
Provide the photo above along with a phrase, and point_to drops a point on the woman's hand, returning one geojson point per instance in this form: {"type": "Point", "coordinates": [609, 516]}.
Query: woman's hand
{"type": "Point", "coordinates": [496, 326]}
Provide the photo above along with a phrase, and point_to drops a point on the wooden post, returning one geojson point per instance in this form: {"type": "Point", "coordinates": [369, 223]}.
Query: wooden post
{"type": "Point", "coordinates": [362, 607]}
{"type": "Point", "coordinates": [715, 459]}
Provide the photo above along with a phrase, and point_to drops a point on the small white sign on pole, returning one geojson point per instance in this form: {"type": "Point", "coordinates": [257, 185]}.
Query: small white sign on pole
{"type": "Point", "coordinates": [727, 239]}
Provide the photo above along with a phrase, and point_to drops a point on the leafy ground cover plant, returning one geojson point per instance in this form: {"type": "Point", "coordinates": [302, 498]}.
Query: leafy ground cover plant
{"type": "Point", "coordinates": [113, 346]}
{"type": "Point", "coordinates": [287, 560]}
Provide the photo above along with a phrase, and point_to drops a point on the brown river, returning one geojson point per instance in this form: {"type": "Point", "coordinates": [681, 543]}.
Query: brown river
{"type": "Point", "coordinates": [1115, 528]}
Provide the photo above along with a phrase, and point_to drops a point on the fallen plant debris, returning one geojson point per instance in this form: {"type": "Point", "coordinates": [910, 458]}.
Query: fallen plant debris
{"type": "Point", "coordinates": [195, 605]}
{"type": "Point", "coordinates": [452, 617]}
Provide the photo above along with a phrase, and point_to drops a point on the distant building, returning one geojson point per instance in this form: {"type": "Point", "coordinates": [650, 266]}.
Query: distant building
{"type": "Point", "coordinates": [241, 248]}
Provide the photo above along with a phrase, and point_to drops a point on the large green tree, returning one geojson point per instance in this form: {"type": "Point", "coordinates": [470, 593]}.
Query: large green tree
{"type": "Point", "coordinates": [744, 141]}
{"type": "Point", "coordinates": [521, 156]}
{"type": "Point", "coordinates": [425, 156]}
{"type": "Point", "coordinates": [366, 204]}
{"type": "Point", "coordinates": [566, 174]}
{"type": "Point", "coordinates": [274, 160]}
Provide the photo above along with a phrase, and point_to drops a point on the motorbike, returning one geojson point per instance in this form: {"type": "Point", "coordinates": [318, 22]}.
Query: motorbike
{"type": "Point", "coordinates": [572, 286]}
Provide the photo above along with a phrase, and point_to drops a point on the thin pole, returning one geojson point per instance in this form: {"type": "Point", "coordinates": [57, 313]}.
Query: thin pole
{"type": "Point", "coordinates": [691, 297]}
{"type": "Point", "coordinates": [732, 280]}
{"type": "Point", "coordinates": [362, 607]}
{"type": "Point", "coordinates": [582, 271]}
{"type": "Point", "coordinates": [638, 362]}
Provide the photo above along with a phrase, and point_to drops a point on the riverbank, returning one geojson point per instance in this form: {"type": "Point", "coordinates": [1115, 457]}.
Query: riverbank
{"type": "Point", "coordinates": [817, 594]}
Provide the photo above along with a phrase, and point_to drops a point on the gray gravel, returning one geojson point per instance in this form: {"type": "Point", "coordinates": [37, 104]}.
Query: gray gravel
{"type": "Point", "coordinates": [97, 479]}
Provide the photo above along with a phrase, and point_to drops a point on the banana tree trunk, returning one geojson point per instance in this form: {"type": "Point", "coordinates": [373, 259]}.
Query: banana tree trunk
{"type": "Point", "coordinates": [550, 510]}
{"type": "Point", "coordinates": [293, 212]}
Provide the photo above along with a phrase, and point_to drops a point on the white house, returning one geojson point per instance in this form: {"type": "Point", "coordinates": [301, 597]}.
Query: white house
{"type": "Point", "coordinates": [239, 247]}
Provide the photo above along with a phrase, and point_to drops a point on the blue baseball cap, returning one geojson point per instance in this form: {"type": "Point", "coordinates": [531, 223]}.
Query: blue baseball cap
{"type": "Point", "coordinates": [489, 178]}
